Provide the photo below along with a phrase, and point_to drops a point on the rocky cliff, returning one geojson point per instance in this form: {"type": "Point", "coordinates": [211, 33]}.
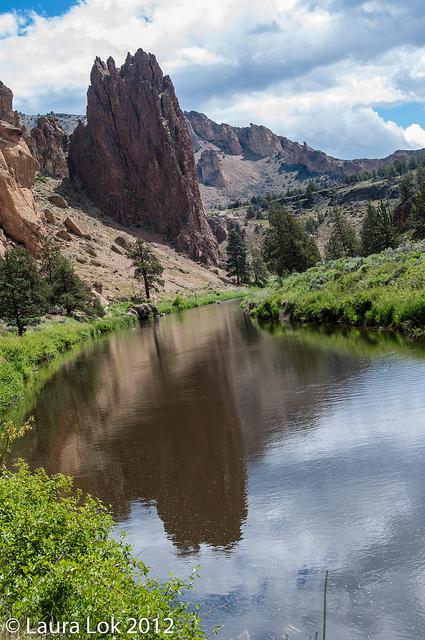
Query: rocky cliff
{"type": "Point", "coordinates": [134, 156]}
{"type": "Point", "coordinates": [19, 219]}
{"type": "Point", "coordinates": [210, 168]}
{"type": "Point", "coordinates": [49, 145]}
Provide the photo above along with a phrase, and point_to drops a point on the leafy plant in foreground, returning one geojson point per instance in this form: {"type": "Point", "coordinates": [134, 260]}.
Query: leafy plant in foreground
{"type": "Point", "coordinates": [58, 562]}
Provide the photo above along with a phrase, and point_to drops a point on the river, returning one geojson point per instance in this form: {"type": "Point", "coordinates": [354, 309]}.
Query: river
{"type": "Point", "coordinates": [265, 457]}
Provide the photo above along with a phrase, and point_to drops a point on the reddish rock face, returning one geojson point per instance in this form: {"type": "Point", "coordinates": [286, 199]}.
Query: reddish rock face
{"type": "Point", "coordinates": [49, 144]}
{"type": "Point", "coordinates": [223, 136]}
{"type": "Point", "coordinates": [6, 110]}
{"type": "Point", "coordinates": [134, 157]}
{"type": "Point", "coordinates": [18, 216]}
{"type": "Point", "coordinates": [210, 168]}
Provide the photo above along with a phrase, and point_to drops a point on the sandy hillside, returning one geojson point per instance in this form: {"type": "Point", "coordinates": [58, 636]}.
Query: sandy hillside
{"type": "Point", "coordinates": [101, 256]}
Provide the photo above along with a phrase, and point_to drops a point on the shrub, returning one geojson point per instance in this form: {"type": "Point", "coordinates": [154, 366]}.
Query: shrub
{"type": "Point", "coordinates": [58, 562]}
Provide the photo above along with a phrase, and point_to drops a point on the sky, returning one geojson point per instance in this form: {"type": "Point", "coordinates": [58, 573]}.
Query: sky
{"type": "Point", "coordinates": [345, 76]}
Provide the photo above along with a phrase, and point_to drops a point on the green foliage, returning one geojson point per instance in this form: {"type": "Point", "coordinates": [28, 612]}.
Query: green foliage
{"type": "Point", "coordinates": [378, 230]}
{"type": "Point", "coordinates": [343, 242]}
{"type": "Point", "coordinates": [147, 268]}
{"type": "Point", "coordinates": [58, 562]}
{"type": "Point", "coordinates": [67, 289]}
{"type": "Point", "coordinates": [64, 288]}
{"type": "Point", "coordinates": [287, 247]}
{"type": "Point", "coordinates": [181, 303]}
{"type": "Point", "coordinates": [381, 290]}
{"type": "Point", "coordinates": [22, 357]}
{"type": "Point", "coordinates": [9, 433]}
{"type": "Point", "coordinates": [417, 216]}
{"type": "Point", "coordinates": [236, 257]}
{"type": "Point", "coordinates": [258, 267]}
{"type": "Point", "coordinates": [22, 294]}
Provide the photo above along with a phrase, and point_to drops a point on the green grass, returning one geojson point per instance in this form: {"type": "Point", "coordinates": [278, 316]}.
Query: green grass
{"type": "Point", "coordinates": [182, 303]}
{"type": "Point", "coordinates": [382, 290]}
{"type": "Point", "coordinates": [23, 359]}
{"type": "Point", "coordinates": [27, 362]}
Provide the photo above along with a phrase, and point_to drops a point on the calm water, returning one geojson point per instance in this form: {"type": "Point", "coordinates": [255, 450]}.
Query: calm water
{"type": "Point", "coordinates": [266, 458]}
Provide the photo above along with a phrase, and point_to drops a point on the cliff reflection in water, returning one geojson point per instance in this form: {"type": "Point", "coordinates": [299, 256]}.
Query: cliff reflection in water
{"type": "Point", "coordinates": [171, 413]}
{"type": "Point", "coordinates": [152, 416]}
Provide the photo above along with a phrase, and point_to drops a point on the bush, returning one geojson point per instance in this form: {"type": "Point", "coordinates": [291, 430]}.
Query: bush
{"type": "Point", "coordinates": [58, 562]}
{"type": "Point", "coordinates": [382, 290]}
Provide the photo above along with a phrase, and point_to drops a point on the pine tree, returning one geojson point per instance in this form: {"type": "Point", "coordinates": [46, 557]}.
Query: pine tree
{"type": "Point", "coordinates": [417, 216]}
{"type": "Point", "coordinates": [258, 266]}
{"type": "Point", "coordinates": [378, 229]}
{"type": "Point", "coordinates": [287, 246]}
{"type": "Point", "coordinates": [343, 242]}
{"type": "Point", "coordinates": [22, 300]}
{"type": "Point", "coordinates": [66, 288]}
{"type": "Point", "coordinates": [147, 268]}
{"type": "Point", "coordinates": [236, 257]}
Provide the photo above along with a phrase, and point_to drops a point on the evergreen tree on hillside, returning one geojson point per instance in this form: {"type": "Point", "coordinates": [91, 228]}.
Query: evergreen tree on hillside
{"type": "Point", "coordinates": [407, 188]}
{"type": "Point", "coordinates": [378, 229]}
{"type": "Point", "coordinates": [64, 286]}
{"type": "Point", "coordinates": [22, 300]}
{"type": "Point", "coordinates": [258, 267]}
{"type": "Point", "coordinates": [417, 216]}
{"type": "Point", "coordinates": [147, 268]}
{"type": "Point", "coordinates": [236, 257]}
{"type": "Point", "coordinates": [343, 242]}
{"type": "Point", "coordinates": [287, 246]}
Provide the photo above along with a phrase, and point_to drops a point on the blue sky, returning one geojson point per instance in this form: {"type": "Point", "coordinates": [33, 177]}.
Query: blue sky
{"type": "Point", "coordinates": [346, 76]}
{"type": "Point", "coordinates": [44, 7]}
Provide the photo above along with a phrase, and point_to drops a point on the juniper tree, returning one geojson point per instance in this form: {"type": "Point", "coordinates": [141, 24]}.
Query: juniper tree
{"type": "Point", "coordinates": [147, 268]}
{"type": "Point", "coordinates": [378, 229]}
{"type": "Point", "coordinates": [258, 267]}
{"type": "Point", "coordinates": [287, 246]}
{"type": "Point", "coordinates": [343, 242]}
{"type": "Point", "coordinates": [236, 257]}
{"type": "Point", "coordinates": [417, 216]}
{"type": "Point", "coordinates": [22, 295]}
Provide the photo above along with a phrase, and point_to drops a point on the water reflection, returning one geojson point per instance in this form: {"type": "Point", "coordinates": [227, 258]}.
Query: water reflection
{"type": "Point", "coordinates": [267, 456]}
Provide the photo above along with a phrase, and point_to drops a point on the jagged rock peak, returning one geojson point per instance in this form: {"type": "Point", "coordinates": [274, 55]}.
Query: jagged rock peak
{"type": "Point", "coordinates": [134, 157]}
{"type": "Point", "coordinates": [49, 145]}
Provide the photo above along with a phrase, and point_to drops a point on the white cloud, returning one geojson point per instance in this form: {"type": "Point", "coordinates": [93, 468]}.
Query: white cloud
{"type": "Point", "coordinates": [9, 24]}
{"type": "Point", "coordinates": [310, 70]}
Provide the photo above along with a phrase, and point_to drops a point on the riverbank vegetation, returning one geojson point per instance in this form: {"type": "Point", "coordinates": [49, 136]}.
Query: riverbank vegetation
{"type": "Point", "coordinates": [58, 562]}
{"type": "Point", "coordinates": [28, 289]}
{"type": "Point", "coordinates": [380, 290]}
{"type": "Point", "coordinates": [23, 357]}
{"type": "Point", "coordinates": [182, 303]}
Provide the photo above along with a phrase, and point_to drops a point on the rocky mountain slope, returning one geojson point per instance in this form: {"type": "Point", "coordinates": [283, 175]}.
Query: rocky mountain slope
{"type": "Point", "coordinates": [134, 156]}
{"type": "Point", "coordinates": [19, 219]}
{"type": "Point", "coordinates": [238, 162]}
{"type": "Point", "coordinates": [96, 244]}
{"type": "Point", "coordinates": [234, 163]}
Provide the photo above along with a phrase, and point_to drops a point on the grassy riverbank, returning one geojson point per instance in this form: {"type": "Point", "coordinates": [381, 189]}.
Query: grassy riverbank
{"type": "Point", "coordinates": [182, 303]}
{"type": "Point", "coordinates": [23, 358]}
{"type": "Point", "coordinates": [382, 290]}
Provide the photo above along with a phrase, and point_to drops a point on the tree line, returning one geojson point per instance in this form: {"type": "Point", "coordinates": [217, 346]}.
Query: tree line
{"type": "Point", "coordinates": [28, 289]}
{"type": "Point", "coordinates": [288, 245]}
{"type": "Point", "coordinates": [31, 289]}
